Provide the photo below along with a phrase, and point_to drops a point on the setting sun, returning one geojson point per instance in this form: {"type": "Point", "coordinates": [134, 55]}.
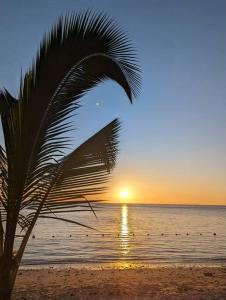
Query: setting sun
{"type": "Point", "coordinates": [124, 194]}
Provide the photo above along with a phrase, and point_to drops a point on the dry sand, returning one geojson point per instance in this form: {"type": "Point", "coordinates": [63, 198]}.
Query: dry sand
{"type": "Point", "coordinates": [191, 283]}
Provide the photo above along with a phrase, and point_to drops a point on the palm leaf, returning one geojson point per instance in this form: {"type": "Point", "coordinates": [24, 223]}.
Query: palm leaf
{"type": "Point", "coordinates": [68, 221]}
{"type": "Point", "coordinates": [83, 172]}
{"type": "Point", "coordinates": [3, 195]}
{"type": "Point", "coordinates": [93, 160]}
{"type": "Point", "coordinates": [3, 177]}
{"type": "Point", "coordinates": [51, 91]}
{"type": "Point", "coordinates": [103, 52]}
{"type": "Point", "coordinates": [6, 102]}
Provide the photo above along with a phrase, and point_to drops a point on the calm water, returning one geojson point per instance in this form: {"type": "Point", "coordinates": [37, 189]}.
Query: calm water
{"type": "Point", "coordinates": [133, 233]}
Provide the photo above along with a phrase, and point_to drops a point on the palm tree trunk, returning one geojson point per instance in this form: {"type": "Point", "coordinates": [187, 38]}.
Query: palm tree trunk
{"type": "Point", "coordinates": [5, 280]}
{"type": "Point", "coordinates": [8, 271]}
{"type": "Point", "coordinates": [8, 263]}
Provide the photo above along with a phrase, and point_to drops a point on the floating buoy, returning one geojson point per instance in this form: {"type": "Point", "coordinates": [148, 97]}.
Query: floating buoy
{"type": "Point", "coordinates": [148, 234]}
{"type": "Point", "coordinates": [214, 233]}
{"type": "Point", "coordinates": [70, 235]}
{"type": "Point", "coordinates": [53, 236]}
{"type": "Point", "coordinates": [187, 233]}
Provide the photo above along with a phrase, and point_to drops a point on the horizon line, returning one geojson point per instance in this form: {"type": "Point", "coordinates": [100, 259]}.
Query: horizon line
{"type": "Point", "coordinates": [171, 204]}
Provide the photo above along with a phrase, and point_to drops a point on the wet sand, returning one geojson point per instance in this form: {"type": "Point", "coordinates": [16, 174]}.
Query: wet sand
{"type": "Point", "coordinates": [190, 283]}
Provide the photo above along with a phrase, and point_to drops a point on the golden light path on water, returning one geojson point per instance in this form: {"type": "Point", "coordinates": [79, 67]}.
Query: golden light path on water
{"type": "Point", "coordinates": [125, 246]}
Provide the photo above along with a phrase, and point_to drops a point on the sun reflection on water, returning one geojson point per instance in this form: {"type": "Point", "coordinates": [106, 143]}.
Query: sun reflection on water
{"type": "Point", "coordinates": [125, 247]}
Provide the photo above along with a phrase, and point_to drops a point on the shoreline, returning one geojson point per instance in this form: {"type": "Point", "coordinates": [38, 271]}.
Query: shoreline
{"type": "Point", "coordinates": [122, 265]}
{"type": "Point", "coordinates": [175, 282]}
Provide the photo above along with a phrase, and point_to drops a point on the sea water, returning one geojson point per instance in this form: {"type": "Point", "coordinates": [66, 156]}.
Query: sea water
{"type": "Point", "coordinates": [129, 233]}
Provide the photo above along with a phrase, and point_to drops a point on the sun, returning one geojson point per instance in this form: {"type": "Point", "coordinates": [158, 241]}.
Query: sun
{"type": "Point", "coordinates": [124, 194]}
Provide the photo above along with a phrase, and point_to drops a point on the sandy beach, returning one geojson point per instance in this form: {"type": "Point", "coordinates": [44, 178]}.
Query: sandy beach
{"type": "Point", "coordinates": [132, 283]}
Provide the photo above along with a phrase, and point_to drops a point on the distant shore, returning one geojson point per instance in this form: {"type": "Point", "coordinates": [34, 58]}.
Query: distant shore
{"type": "Point", "coordinates": [133, 283]}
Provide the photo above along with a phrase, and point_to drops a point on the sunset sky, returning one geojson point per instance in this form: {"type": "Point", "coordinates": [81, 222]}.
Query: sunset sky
{"type": "Point", "coordinates": [173, 138]}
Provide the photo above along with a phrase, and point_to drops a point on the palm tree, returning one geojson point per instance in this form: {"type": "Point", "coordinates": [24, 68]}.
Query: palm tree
{"type": "Point", "coordinates": [37, 179]}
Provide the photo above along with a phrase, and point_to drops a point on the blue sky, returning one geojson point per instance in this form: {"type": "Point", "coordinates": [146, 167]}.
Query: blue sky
{"type": "Point", "coordinates": [173, 139]}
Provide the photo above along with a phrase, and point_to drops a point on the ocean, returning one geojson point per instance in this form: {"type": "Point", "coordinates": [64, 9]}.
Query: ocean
{"type": "Point", "coordinates": [129, 233]}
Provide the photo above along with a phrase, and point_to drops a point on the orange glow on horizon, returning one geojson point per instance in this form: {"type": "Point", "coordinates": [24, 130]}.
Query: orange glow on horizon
{"type": "Point", "coordinates": [168, 190]}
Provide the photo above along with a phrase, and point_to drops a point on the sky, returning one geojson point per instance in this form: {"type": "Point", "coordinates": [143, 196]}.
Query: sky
{"type": "Point", "coordinates": [173, 138]}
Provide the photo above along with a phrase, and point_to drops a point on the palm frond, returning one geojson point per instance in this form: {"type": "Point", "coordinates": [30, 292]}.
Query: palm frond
{"type": "Point", "coordinates": [8, 107]}
{"type": "Point", "coordinates": [3, 178]}
{"type": "Point", "coordinates": [68, 221]}
{"type": "Point", "coordinates": [83, 172]}
{"type": "Point", "coordinates": [94, 49]}
{"type": "Point", "coordinates": [3, 195]}
{"type": "Point", "coordinates": [11, 125]}
{"type": "Point", "coordinates": [6, 102]}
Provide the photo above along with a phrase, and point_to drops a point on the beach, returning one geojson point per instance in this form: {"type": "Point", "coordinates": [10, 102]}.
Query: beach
{"type": "Point", "coordinates": [193, 282]}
